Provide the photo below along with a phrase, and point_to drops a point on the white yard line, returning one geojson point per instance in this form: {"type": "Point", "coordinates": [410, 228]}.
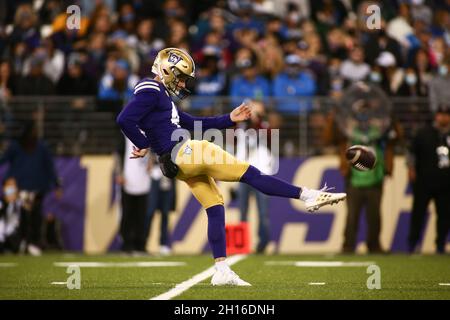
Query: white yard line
{"type": "Point", "coordinates": [139, 264]}
{"type": "Point", "coordinates": [59, 283]}
{"type": "Point", "coordinates": [316, 283]}
{"type": "Point", "coordinates": [444, 284]}
{"type": "Point", "coordinates": [319, 264]}
{"type": "Point", "coordinates": [183, 286]}
{"type": "Point", "coordinates": [7, 264]}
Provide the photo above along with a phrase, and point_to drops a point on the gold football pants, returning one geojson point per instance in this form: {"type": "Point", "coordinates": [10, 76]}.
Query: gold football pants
{"type": "Point", "coordinates": [201, 163]}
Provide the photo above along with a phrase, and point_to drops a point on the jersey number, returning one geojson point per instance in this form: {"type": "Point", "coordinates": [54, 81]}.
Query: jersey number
{"type": "Point", "coordinates": [175, 117]}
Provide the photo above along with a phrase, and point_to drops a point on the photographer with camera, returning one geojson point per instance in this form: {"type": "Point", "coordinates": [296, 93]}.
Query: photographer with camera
{"type": "Point", "coordinates": [31, 165]}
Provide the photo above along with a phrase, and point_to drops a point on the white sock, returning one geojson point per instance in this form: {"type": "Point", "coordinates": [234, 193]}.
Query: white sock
{"type": "Point", "coordinates": [222, 266]}
{"type": "Point", "coordinates": [307, 193]}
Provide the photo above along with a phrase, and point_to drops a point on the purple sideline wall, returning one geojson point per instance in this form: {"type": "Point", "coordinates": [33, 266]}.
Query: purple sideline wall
{"type": "Point", "coordinates": [70, 209]}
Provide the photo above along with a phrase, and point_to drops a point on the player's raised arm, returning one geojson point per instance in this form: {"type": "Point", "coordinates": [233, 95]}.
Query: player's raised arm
{"type": "Point", "coordinates": [228, 120]}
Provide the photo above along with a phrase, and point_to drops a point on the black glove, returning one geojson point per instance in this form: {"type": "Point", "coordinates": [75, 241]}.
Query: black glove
{"type": "Point", "coordinates": [168, 168]}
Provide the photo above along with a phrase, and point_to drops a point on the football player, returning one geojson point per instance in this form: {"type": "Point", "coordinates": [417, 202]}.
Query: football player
{"type": "Point", "coordinates": [151, 117]}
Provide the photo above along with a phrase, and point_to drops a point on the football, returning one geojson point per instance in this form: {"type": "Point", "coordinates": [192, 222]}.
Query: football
{"type": "Point", "coordinates": [361, 157]}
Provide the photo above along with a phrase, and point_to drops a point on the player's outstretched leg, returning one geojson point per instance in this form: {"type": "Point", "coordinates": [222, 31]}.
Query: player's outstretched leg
{"type": "Point", "coordinates": [270, 185]}
{"type": "Point", "coordinates": [223, 166]}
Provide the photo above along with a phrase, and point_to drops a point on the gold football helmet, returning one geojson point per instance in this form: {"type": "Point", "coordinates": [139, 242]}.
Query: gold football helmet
{"type": "Point", "coordinates": [173, 65]}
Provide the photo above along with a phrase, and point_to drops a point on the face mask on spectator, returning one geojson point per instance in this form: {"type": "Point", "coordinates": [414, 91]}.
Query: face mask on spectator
{"type": "Point", "coordinates": [337, 85]}
{"type": "Point", "coordinates": [10, 191]}
{"type": "Point", "coordinates": [443, 70]}
{"type": "Point", "coordinates": [294, 17]}
{"type": "Point", "coordinates": [375, 77]}
{"type": "Point", "coordinates": [128, 17]}
{"type": "Point", "coordinates": [334, 70]}
{"type": "Point", "coordinates": [171, 13]}
{"type": "Point", "coordinates": [411, 79]}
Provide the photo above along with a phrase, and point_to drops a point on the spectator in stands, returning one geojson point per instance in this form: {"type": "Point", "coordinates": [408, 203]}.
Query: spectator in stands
{"type": "Point", "coordinates": [75, 81]}
{"type": "Point", "coordinates": [127, 18]}
{"type": "Point", "coordinates": [376, 42]}
{"type": "Point", "coordinates": [439, 85]}
{"type": "Point", "coordinates": [423, 69]}
{"type": "Point", "coordinates": [400, 28]}
{"type": "Point", "coordinates": [162, 198]}
{"type": "Point", "coordinates": [335, 44]}
{"type": "Point", "coordinates": [25, 27]}
{"type": "Point", "coordinates": [178, 33]}
{"type": "Point", "coordinates": [389, 76]}
{"type": "Point", "coordinates": [328, 13]}
{"type": "Point", "coordinates": [437, 49]}
{"type": "Point", "coordinates": [36, 82]}
{"type": "Point", "coordinates": [294, 84]}
{"type": "Point", "coordinates": [95, 64]}
{"type": "Point", "coordinates": [31, 165]}
{"type": "Point", "coordinates": [211, 81]}
{"type": "Point", "coordinates": [101, 20]}
{"type": "Point", "coordinates": [13, 218]}
{"type": "Point", "coordinates": [335, 79]}
{"type": "Point", "coordinates": [54, 60]}
{"type": "Point", "coordinates": [120, 44]}
{"type": "Point", "coordinates": [117, 86]}
{"type": "Point", "coordinates": [7, 90]}
{"type": "Point", "coordinates": [310, 51]}
{"type": "Point", "coordinates": [249, 84]}
{"type": "Point", "coordinates": [246, 21]}
{"type": "Point", "coordinates": [146, 44]}
{"type": "Point", "coordinates": [257, 153]}
{"type": "Point", "coordinates": [292, 22]}
{"type": "Point", "coordinates": [429, 173]}
{"type": "Point", "coordinates": [355, 69]}
{"type": "Point", "coordinates": [135, 183]}
{"type": "Point", "coordinates": [275, 27]}
{"type": "Point", "coordinates": [410, 86]}
{"type": "Point", "coordinates": [19, 53]}
{"type": "Point", "coordinates": [271, 56]}
{"type": "Point", "coordinates": [440, 27]}
{"type": "Point", "coordinates": [214, 39]}
{"type": "Point", "coordinates": [247, 37]}
{"type": "Point", "coordinates": [7, 81]}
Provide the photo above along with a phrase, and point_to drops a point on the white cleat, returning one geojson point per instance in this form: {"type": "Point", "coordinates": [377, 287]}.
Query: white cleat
{"type": "Point", "coordinates": [316, 199]}
{"type": "Point", "coordinates": [227, 277]}
{"type": "Point", "coordinates": [165, 251]}
{"type": "Point", "coordinates": [35, 251]}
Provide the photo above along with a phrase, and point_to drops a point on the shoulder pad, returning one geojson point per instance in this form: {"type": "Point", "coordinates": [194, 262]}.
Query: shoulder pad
{"type": "Point", "coordinates": [147, 85]}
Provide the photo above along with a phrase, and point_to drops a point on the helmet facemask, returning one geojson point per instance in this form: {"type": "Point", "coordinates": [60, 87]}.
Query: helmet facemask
{"type": "Point", "coordinates": [174, 86]}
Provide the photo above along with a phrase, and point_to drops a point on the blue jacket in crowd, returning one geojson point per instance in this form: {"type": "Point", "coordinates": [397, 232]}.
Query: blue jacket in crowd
{"type": "Point", "coordinates": [241, 88]}
{"type": "Point", "coordinates": [288, 91]}
{"type": "Point", "coordinates": [207, 88]}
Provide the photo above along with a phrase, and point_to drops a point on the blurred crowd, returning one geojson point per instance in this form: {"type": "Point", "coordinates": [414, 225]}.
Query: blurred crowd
{"type": "Point", "coordinates": [243, 48]}
{"type": "Point", "coordinates": [278, 53]}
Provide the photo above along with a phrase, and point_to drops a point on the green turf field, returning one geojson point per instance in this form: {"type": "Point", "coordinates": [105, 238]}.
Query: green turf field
{"type": "Point", "coordinates": [272, 277]}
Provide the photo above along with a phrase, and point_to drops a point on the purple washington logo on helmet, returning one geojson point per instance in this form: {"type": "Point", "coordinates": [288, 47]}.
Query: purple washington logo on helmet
{"type": "Point", "coordinates": [174, 58]}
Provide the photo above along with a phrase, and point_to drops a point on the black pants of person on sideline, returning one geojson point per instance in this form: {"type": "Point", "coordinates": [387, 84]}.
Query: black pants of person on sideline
{"type": "Point", "coordinates": [422, 197]}
{"type": "Point", "coordinates": [357, 199]}
{"type": "Point", "coordinates": [34, 223]}
{"type": "Point", "coordinates": [132, 226]}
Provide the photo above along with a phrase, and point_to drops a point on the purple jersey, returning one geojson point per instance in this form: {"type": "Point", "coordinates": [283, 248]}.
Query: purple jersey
{"type": "Point", "coordinates": [150, 117]}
